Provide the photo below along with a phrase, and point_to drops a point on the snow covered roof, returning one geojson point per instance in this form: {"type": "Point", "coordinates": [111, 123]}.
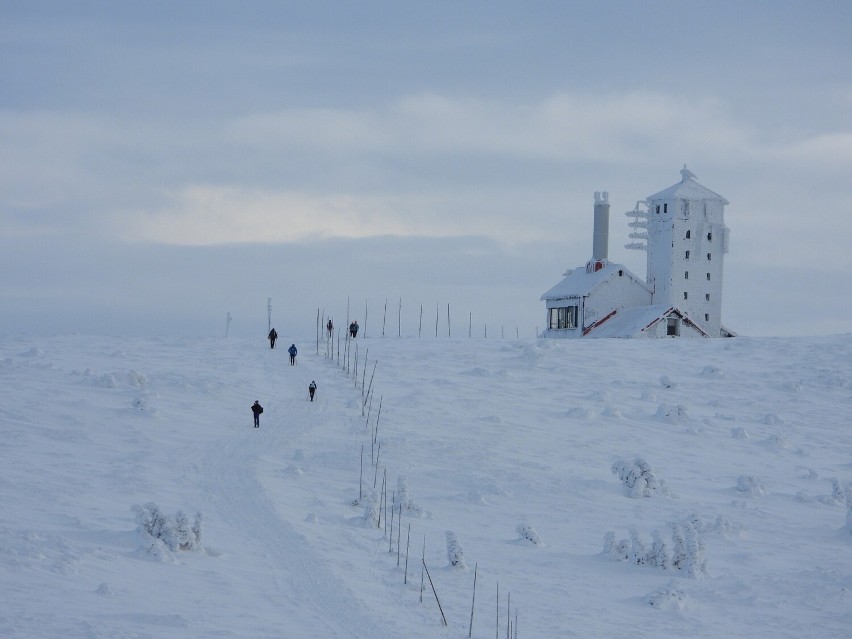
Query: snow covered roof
{"type": "Point", "coordinates": [580, 282]}
{"type": "Point", "coordinates": [687, 189]}
{"type": "Point", "coordinates": [630, 322]}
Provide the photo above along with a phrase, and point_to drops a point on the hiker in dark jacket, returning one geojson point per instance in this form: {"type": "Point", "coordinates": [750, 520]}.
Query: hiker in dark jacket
{"type": "Point", "coordinates": [312, 388]}
{"type": "Point", "coordinates": [353, 329]}
{"type": "Point", "coordinates": [329, 327]}
{"type": "Point", "coordinates": [273, 335]}
{"type": "Point", "coordinates": [257, 409]}
{"type": "Point", "coordinates": [292, 350]}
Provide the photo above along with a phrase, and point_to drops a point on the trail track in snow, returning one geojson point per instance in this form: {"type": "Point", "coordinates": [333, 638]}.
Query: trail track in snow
{"type": "Point", "coordinates": [304, 585]}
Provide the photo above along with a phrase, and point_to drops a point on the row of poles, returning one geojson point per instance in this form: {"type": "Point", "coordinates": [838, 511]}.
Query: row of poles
{"type": "Point", "coordinates": [343, 354]}
{"type": "Point", "coordinates": [322, 321]}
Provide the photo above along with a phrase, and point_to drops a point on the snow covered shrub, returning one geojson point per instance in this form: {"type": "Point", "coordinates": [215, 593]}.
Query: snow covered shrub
{"type": "Point", "coordinates": [527, 533]}
{"type": "Point", "coordinates": [687, 550]}
{"type": "Point", "coordinates": [404, 497]}
{"type": "Point", "coordinates": [739, 433]}
{"type": "Point", "coordinates": [672, 414]}
{"type": "Point", "coordinates": [658, 557]}
{"type": "Point", "coordinates": [371, 507]}
{"type": "Point", "coordinates": [750, 486]}
{"type": "Point", "coordinates": [175, 534]}
{"type": "Point", "coordinates": [667, 597]}
{"type": "Point", "coordinates": [639, 478]}
{"type": "Point", "coordinates": [688, 553]}
{"type": "Point", "coordinates": [848, 527]}
{"type": "Point", "coordinates": [455, 554]}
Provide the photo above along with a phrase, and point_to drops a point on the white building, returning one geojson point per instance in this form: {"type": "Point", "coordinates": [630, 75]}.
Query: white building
{"type": "Point", "coordinates": [685, 237]}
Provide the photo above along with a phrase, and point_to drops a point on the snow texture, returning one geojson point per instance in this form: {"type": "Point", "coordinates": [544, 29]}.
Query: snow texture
{"type": "Point", "coordinates": [481, 434]}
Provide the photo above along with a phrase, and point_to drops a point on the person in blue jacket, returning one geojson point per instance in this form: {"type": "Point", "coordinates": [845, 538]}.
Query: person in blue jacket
{"type": "Point", "coordinates": [292, 350]}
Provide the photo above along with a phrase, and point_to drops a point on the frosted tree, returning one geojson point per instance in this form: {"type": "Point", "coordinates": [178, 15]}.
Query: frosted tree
{"type": "Point", "coordinates": [849, 509]}
{"type": "Point", "coordinates": [175, 534]}
{"type": "Point", "coordinates": [659, 554]}
{"type": "Point", "coordinates": [455, 554]}
{"type": "Point", "coordinates": [639, 478]}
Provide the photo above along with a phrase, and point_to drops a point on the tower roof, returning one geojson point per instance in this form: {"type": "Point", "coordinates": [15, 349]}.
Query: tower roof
{"type": "Point", "coordinates": [687, 189]}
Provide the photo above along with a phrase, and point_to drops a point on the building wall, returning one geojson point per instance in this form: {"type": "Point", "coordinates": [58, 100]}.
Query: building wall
{"type": "Point", "coordinates": [680, 238]}
{"type": "Point", "coordinates": [618, 291]}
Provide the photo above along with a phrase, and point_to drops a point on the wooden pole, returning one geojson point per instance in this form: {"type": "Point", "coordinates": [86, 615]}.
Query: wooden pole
{"type": "Point", "coordinates": [407, 544]}
{"type": "Point", "coordinates": [384, 317]}
{"type": "Point", "coordinates": [420, 326]}
{"type": "Point", "coordinates": [361, 476]}
{"type": "Point", "coordinates": [473, 601]}
{"type": "Point", "coordinates": [443, 618]}
{"type": "Point", "coordinates": [399, 320]}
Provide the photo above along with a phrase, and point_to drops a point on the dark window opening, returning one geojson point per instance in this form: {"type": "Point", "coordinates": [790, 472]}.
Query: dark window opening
{"type": "Point", "coordinates": [708, 277]}
{"type": "Point", "coordinates": [685, 295]}
{"type": "Point", "coordinates": [673, 326]}
{"type": "Point", "coordinates": [707, 296]}
{"type": "Point", "coordinates": [686, 275]}
{"type": "Point", "coordinates": [708, 256]}
{"type": "Point", "coordinates": [688, 234]}
{"type": "Point", "coordinates": [665, 208]}
{"type": "Point", "coordinates": [687, 255]}
{"type": "Point", "coordinates": [563, 317]}
{"type": "Point", "coordinates": [658, 208]}
{"type": "Point", "coordinates": [706, 317]}
{"type": "Point", "coordinates": [709, 237]}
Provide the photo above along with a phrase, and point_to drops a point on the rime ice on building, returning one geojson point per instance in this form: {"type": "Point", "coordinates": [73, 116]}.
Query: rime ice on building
{"type": "Point", "coordinates": [683, 230]}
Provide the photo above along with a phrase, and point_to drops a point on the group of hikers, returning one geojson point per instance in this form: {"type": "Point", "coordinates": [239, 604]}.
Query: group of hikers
{"type": "Point", "coordinates": [353, 328]}
{"type": "Point", "coordinates": [273, 336]}
{"type": "Point", "coordinates": [256, 408]}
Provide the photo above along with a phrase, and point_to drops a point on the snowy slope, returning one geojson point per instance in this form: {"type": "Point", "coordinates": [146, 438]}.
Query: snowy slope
{"type": "Point", "coordinates": [498, 444]}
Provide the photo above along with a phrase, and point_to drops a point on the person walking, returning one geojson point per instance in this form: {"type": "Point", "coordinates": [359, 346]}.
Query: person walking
{"type": "Point", "coordinates": [353, 329]}
{"type": "Point", "coordinates": [273, 335]}
{"type": "Point", "coordinates": [312, 388]}
{"type": "Point", "coordinates": [329, 327]}
{"type": "Point", "coordinates": [292, 350]}
{"type": "Point", "coordinates": [257, 409]}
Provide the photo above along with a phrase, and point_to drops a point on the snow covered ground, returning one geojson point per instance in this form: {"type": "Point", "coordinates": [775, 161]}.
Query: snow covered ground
{"type": "Point", "coordinates": [505, 454]}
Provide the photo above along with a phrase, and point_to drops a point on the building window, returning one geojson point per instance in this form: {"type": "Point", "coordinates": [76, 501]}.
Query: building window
{"type": "Point", "coordinates": [686, 275]}
{"type": "Point", "coordinates": [686, 256]}
{"type": "Point", "coordinates": [665, 208]}
{"type": "Point", "coordinates": [563, 317]}
{"type": "Point", "coordinates": [708, 256]}
{"type": "Point", "coordinates": [706, 317]}
{"type": "Point", "coordinates": [673, 326]}
{"type": "Point", "coordinates": [685, 295]}
{"type": "Point", "coordinates": [688, 234]}
{"type": "Point", "coordinates": [708, 277]}
{"type": "Point", "coordinates": [709, 237]}
{"type": "Point", "coordinates": [658, 208]}
{"type": "Point", "coordinates": [706, 297]}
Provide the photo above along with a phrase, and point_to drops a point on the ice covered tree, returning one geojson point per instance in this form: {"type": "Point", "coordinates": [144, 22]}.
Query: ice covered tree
{"type": "Point", "coordinates": [639, 478]}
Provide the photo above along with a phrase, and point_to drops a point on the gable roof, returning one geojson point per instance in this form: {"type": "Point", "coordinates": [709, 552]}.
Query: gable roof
{"type": "Point", "coordinates": [687, 189]}
{"type": "Point", "coordinates": [632, 322]}
{"type": "Point", "coordinates": [579, 282]}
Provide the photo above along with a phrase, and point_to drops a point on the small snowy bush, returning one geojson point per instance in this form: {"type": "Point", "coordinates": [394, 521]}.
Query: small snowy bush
{"type": "Point", "coordinates": [667, 597]}
{"type": "Point", "coordinates": [687, 554]}
{"type": "Point", "coordinates": [404, 497]}
{"type": "Point", "coordinates": [750, 486]}
{"type": "Point", "coordinates": [639, 478]}
{"type": "Point", "coordinates": [672, 414]}
{"type": "Point", "coordinates": [848, 527]}
{"type": "Point", "coordinates": [527, 533]}
{"type": "Point", "coordinates": [455, 554]}
{"type": "Point", "coordinates": [174, 534]}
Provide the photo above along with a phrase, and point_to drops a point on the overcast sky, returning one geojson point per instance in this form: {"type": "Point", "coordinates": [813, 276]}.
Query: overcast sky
{"type": "Point", "coordinates": [165, 163]}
